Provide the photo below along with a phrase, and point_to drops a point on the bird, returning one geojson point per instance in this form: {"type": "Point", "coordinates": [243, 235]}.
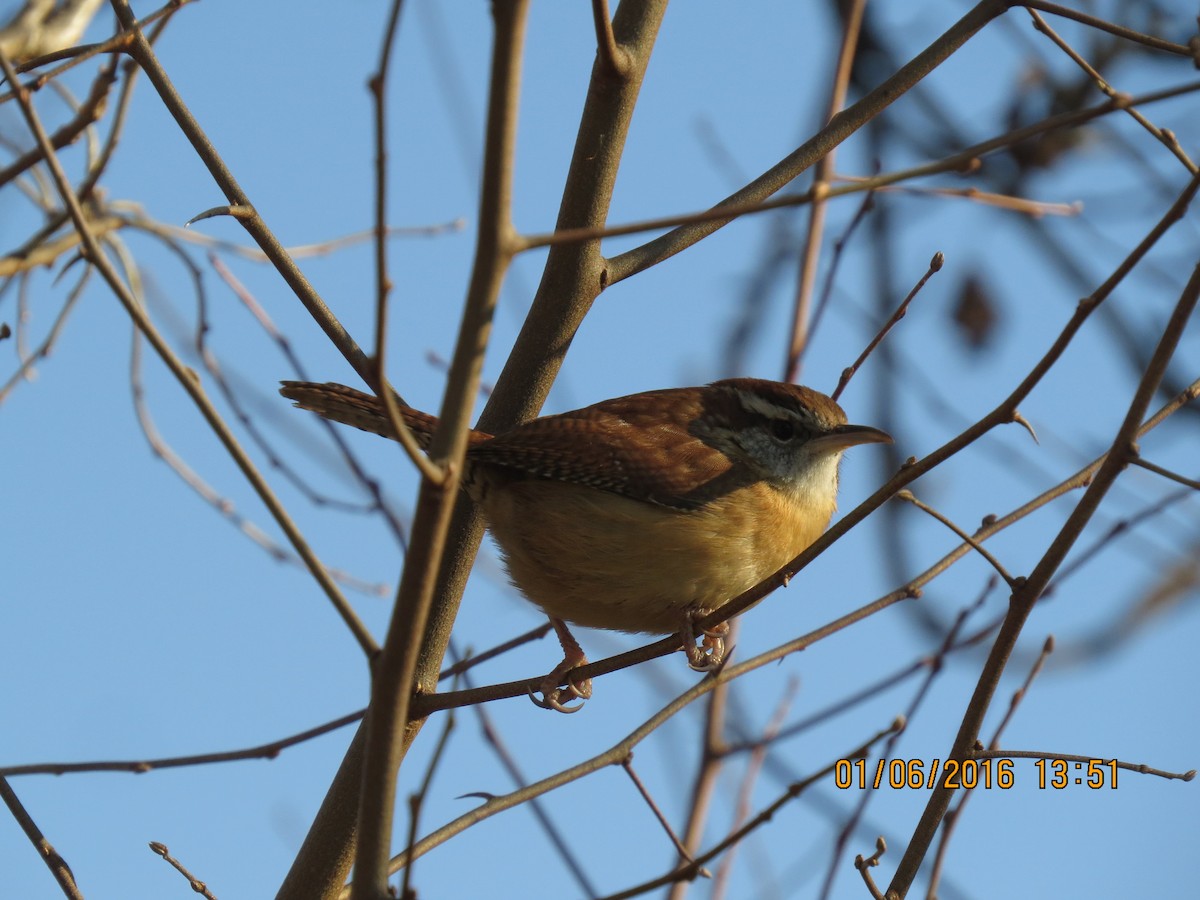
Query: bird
{"type": "Point", "coordinates": [642, 513]}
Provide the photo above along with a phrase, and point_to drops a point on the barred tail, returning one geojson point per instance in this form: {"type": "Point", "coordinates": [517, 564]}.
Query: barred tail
{"type": "Point", "coordinates": [339, 403]}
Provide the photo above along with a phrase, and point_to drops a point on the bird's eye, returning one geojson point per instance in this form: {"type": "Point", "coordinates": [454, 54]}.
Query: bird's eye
{"type": "Point", "coordinates": [783, 430]}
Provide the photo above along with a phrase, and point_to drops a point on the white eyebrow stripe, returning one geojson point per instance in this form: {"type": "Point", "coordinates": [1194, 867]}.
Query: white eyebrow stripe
{"type": "Point", "coordinates": [761, 406]}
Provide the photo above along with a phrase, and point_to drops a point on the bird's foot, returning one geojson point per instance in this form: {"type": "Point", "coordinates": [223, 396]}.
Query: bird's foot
{"type": "Point", "coordinates": [554, 695]}
{"type": "Point", "coordinates": [710, 653]}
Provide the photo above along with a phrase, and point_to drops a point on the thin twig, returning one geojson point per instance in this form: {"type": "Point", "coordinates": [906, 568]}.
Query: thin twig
{"type": "Point", "coordinates": [1147, 40]}
{"type": "Point", "coordinates": [193, 882]}
{"type": "Point", "coordinates": [383, 284]}
{"type": "Point", "coordinates": [908, 497]}
{"type": "Point", "coordinates": [627, 765]}
{"type": "Point", "coordinates": [614, 57]}
{"type": "Point", "coordinates": [1139, 768]}
{"type": "Point", "coordinates": [1166, 473]}
{"type": "Point", "coordinates": [935, 266]}
{"type": "Point", "coordinates": [1034, 208]}
{"type": "Point", "coordinates": [269, 750]}
{"type": "Point", "coordinates": [852, 14]}
{"type": "Point", "coordinates": [465, 665]}
{"type": "Point", "coordinates": [52, 858]}
{"type": "Point", "coordinates": [835, 262]}
{"type": "Point", "coordinates": [297, 251]}
{"type": "Point", "coordinates": [1164, 137]}
{"type": "Point", "coordinates": [864, 867]}
{"type": "Point", "coordinates": [417, 800]}
{"type": "Point", "coordinates": [25, 369]}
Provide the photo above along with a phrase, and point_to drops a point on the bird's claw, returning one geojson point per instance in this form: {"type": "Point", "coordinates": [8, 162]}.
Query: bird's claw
{"type": "Point", "coordinates": [710, 654]}
{"type": "Point", "coordinates": [556, 698]}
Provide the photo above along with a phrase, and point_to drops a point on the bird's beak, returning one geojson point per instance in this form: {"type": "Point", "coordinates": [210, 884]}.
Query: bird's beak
{"type": "Point", "coordinates": [844, 436]}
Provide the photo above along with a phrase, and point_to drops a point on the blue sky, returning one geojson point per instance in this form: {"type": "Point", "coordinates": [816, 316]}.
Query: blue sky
{"type": "Point", "coordinates": [138, 623]}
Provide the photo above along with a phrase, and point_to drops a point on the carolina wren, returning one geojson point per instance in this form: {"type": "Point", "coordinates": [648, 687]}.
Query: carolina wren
{"type": "Point", "coordinates": [643, 513]}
